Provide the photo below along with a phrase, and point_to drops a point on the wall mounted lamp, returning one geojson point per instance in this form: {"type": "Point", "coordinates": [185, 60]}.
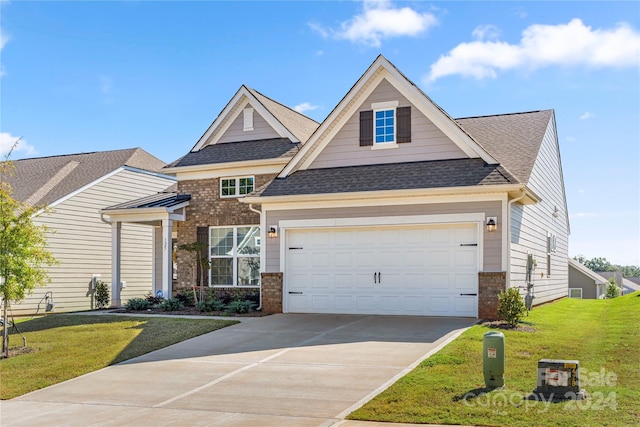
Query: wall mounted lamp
{"type": "Point", "coordinates": [492, 223]}
{"type": "Point", "coordinates": [273, 231]}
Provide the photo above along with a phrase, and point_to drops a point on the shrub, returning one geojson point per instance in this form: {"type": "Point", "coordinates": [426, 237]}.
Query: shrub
{"type": "Point", "coordinates": [186, 297]}
{"type": "Point", "coordinates": [154, 300]}
{"type": "Point", "coordinates": [137, 304]}
{"type": "Point", "coordinates": [171, 304]}
{"type": "Point", "coordinates": [511, 307]}
{"type": "Point", "coordinates": [612, 290]}
{"type": "Point", "coordinates": [241, 306]}
{"type": "Point", "coordinates": [211, 305]}
{"type": "Point", "coordinates": [102, 294]}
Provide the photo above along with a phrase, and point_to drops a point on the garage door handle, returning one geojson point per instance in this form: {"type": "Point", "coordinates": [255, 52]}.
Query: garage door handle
{"type": "Point", "coordinates": [294, 248]}
{"type": "Point", "coordinates": [462, 244]}
{"type": "Point", "coordinates": [295, 293]}
{"type": "Point", "coordinates": [469, 295]}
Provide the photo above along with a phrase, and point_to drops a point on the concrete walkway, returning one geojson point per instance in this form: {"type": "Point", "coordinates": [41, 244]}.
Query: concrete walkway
{"type": "Point", "coordinates": [281, 370]}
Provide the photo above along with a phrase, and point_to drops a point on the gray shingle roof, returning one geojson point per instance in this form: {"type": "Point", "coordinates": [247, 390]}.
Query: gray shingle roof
{"type": "Point", "coordinates": [42, 181]}
{"type": "Point", "coordinates": [159, 200]}
{"type": "Point", "coordinates": [512, 139]}
{"type": "Point", "coordinates": [238, 151]}
{"type": "Point", "coordinates": [298, 124]}
{"type": "Point", "coordinates": [395, 176]}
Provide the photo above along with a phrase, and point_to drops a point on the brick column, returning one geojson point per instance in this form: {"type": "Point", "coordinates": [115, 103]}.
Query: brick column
{"type": "Point", "coordinates": [271, 292]}
{"type": "Point", "coordinates": [489, 287]}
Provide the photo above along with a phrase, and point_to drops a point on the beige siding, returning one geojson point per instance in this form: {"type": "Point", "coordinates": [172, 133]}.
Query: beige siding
{"type": "Point", "coordinates": [577, 279]}
{"type": "Point", "coordinates": [492, 241]}
{"type": "Point", "coordinates": [427, 141]}
{"type": "Point", "coordinates": [157, 236]}
{"type": "Point", "coordinates": [530, 225]}
{"type": "Point", "coordinates": [82, 244]}
{"type": "Point", "coordinates": [261, 130]}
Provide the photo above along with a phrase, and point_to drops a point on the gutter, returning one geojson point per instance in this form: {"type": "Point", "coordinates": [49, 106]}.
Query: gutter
{"type": "Point", "coordinates": [262, 235]}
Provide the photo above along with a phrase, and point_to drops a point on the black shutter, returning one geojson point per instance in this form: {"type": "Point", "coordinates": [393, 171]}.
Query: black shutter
{"type": "Point", "coordinates": [366, 128]}
{"type": "Point", "coordinates": [403, 116]}
{"type": "Point", "coordinates": [202, 237]}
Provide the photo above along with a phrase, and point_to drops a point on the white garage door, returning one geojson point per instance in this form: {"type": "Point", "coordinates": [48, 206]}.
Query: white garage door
{"type": "Point", "coordinates": [417, 270]}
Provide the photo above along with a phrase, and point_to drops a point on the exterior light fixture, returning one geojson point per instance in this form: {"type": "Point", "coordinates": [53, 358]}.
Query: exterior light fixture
{"type": "Point", "coordinates": [273, 231]}
{"type": "Point", "coordinates": [492, 224]}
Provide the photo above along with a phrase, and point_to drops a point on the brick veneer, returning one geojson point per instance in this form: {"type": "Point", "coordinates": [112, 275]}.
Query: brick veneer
{"type": "Point", "coordinates": [271, 293]}
{"type": "Point", "coordinates": [489, 286]}
{"type": "Point", "coordinates": [205, 209]}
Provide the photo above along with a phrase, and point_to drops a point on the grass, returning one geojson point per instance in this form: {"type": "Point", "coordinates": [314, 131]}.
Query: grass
{"type": "Point", "coordinates": [68, 346]}
{"type": "Point", "coordinates": [447, 388]}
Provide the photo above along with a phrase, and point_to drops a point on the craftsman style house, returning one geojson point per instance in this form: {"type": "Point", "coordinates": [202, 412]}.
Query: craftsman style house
{"type": "Point", "coordinates": [389, 206]}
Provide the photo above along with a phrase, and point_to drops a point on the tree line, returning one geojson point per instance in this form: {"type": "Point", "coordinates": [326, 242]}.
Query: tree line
{"type": "Point", "coordinates": [601, 264]}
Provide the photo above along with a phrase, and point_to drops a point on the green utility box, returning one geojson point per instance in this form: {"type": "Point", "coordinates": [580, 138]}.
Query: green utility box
{"type": "Point", "coordinates": [493, 359]}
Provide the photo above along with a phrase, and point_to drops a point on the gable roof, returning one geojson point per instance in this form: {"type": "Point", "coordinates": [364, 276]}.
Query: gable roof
{"type": "Point", "coordinates": [512, 139]}
{"type": "Point", "coordinates": [43, 180]}
{"type": "Point", "coordinates": [598, 280]}
{"type": "Point", "coordinates": [286, 122]}
{"type": "Point", "coordinates": [237, 152]}
{"type": "Point", "coordinates": [381, 69]}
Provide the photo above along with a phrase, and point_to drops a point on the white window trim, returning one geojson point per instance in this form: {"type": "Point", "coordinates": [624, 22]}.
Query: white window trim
{"type": "Point", "coordinates": [235, 257]}
{"type": "Point", "coordinates": [383, 106]}
{"type": "Point", "coordinates": [575, 289]}
{"type": "Point", "coordinates": [237, 179]}
{"type": "Point", "coordinates": [247, 119]}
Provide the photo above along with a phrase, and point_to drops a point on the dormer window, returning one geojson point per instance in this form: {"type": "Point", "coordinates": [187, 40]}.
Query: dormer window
{"type": "Point", "coordinates": [248, 119]}
{"type": "Point", "coordinates": [385, 125]}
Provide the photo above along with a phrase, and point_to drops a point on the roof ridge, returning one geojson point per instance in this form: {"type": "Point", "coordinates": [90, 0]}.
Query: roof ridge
{"type": "Point", "coordinates": [78, 154]}
{"type": "Point", "coordinates": [502, 114]}
{"type": "Point", "coordinates": [279, 103]}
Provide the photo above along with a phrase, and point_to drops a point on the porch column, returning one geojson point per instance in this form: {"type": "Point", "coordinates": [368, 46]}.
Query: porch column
{"type": "Point", "coordinates": [167, 261]}
{"type": "Point", "coordinates": [116, 231]}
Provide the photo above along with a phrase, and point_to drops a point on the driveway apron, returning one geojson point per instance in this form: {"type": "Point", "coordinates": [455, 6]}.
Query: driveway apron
{"type": "Point", "coordinates": [280, 370]}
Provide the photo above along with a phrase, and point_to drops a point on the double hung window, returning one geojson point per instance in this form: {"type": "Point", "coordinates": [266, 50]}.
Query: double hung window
{"type": "Point", "coordinates": [236, 187]}
{"type": "Point", "coordinates": [235, 256]}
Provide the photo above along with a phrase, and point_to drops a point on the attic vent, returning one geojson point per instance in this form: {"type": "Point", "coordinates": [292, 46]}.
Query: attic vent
{"type": "Point", "coordinates": [248, 119]}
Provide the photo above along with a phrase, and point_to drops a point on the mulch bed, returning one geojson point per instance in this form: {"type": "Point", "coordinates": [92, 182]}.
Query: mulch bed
{"type": "Point", "coordinates": [501, 324]}
{"type": "Point", "coordinates": [190, 311]}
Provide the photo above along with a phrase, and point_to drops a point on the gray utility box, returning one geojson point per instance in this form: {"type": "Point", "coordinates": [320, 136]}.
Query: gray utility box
{"type": "Point", "coordinates": [558, 380]}
{"type": "Point", "coordinates": [493, 359]}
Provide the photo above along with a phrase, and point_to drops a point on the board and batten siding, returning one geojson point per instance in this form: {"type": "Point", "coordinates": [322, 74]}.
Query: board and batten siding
{"type": "Point", "coordinates": [492, 243]}
{"type": "Point", "coordinates": [530, 225]}
{"type": "Point", "coordinates": [428, 142]}
{"type": "Point", "coordinates": [81, 243]}
{"type": "Point", "coordinates": [236, 132]}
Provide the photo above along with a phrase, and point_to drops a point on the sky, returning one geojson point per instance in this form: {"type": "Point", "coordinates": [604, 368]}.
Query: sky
{"type": "Point", "coordinates": [93, 76]}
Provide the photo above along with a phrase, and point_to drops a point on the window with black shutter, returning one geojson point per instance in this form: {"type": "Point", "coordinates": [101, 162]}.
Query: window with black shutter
{"type": "Point", "coordinates": [366, 128]}
{"type": "Point", "coordinates": [387, 125]}
{"type": "Point", "coordinates": [403, 116]}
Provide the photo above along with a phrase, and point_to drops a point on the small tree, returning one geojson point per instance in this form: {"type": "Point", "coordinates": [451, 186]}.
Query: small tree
{"type": "Point", "coordinates": [199, 262]}
{"type": "Point", "coordinates": [511, 307]}
{"type": "Point", "coordinates": [102, 294]}
{"type": "Point", "coordinates": [23, 252]}
{"type": "Point", "coordinates": [613, 290]}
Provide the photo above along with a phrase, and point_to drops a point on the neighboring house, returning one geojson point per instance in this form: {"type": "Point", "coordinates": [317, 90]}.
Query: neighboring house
{"type": "Point", "coordinates": [75, 188]}
{"type": "Point", "coordinates": [584, 283]}
{"type": "Point", "coordinates": [626, 286]}
{"type": "Point", "coordinates": [390, 206]}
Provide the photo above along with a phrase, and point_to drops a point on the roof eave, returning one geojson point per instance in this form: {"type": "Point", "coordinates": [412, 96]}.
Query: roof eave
{"type": "Point", "coordinates": [228, 165]}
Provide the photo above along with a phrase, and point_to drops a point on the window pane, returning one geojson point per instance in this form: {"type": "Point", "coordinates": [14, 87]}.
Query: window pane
{"type": "Point", "coordinates": [221, 241]}
{"type": "Point", "coordinates": [385, 126]}
{"type": "Point", "coordinates": [228, 187]}
{"type": "Point", "coordinates": [246, 185]}
{"type": "Point", "coordinates": [248, 271]}
{"type": "Point", "coordinates": [379, 114]}
{"type": "Point", "coordinates": [222, 271]}
{"type": "Point", "coordinates": [248, 240]}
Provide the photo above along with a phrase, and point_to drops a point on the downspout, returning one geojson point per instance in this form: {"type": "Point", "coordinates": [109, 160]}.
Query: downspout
{"type": "Point", "coordinates": [252, 209]}
{"type": "Point", "coordinates": [517, 199]}
{"type": "Point", "coordinates": [102, 218]}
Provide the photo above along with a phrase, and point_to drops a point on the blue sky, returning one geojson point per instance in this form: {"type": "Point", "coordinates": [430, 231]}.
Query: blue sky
{"type": "Point", "coordinates": [92, 76]}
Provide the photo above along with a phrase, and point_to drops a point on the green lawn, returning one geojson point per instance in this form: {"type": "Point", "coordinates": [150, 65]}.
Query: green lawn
{"type": "Point", "coordinates": [604, 335]}
{"type": "Point", "coordinates": [67, 346]}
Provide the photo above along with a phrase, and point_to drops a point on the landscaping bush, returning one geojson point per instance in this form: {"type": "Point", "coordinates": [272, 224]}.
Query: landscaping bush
{"type": "Point", "coordinates": [102, 294]}
{"type": "Point", "coordinates": [171, 304]}
{"type": "Point", "coordinates": [511, 307]}
{"type": "Point", "coordinates": [137, 304]}
{"type": "Point", "coordinates": [186, 297]}
{"type": "Point", "coordinates": [154, 300]}
{"type": "Point", "coordinates": [612, 290]}
{"type": "Point", "coordinates": [241, 307]}
{"type": "Point", "coordinates": [211, 305]}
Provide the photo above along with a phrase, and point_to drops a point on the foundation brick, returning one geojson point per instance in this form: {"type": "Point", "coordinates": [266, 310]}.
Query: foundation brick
{"type": "Point", "coordinates": [490, 285]}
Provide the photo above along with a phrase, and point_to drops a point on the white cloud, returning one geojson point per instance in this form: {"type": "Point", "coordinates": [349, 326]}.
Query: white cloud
{"type": "Point", "coordinates": [570, 138]}
{"type": "Point", "coordinates": [571, 44]}
{"type": "Point", "coordinates": [486, 32]}
{"type": "Point", "coordinates": [587, 115]}
{"type": "Point", "coordinates": [379, 20]}
{"type": "Point", "coordinates": [305, 106]}
{"type": "Point", "coordinates": [4, 38]}
{"type": "Point", "coordinates": [7, 141]}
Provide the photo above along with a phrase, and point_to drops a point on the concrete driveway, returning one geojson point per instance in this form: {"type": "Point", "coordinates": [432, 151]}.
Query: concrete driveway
{"type": "Point", "coordinates": [281, 370]}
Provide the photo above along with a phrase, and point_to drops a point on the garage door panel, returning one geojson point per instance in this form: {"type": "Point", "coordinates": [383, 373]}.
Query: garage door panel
{"type": "Point", "coordinates": [423, 270]}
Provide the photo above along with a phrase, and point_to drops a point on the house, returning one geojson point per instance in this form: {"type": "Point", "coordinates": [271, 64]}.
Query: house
{"type": "Point", "coordinates": [584, 283]}
{"type": "Point", "coordinates": [625, 284]}
{"type": "Point", "coordinates": [75, 188]}
{"type": "Point", "coordinates": [389, 206]}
